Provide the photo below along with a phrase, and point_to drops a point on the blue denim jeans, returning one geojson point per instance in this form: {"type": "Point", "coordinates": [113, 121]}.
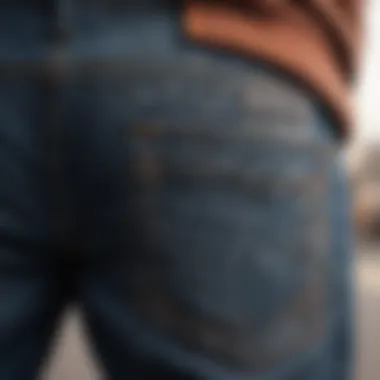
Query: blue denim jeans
{"type": "Point", "coordinates": [192, 203]}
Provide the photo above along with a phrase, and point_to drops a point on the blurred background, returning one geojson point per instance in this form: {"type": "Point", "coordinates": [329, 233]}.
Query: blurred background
{"type": "Point", "coordinates": [71, 357]}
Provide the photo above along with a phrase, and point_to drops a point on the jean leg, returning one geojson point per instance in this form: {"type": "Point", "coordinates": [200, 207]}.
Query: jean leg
{"type": "Point", "coordinates": [30, 274]}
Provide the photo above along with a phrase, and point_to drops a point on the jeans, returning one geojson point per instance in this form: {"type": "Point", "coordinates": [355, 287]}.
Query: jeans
{"type": "Point", "coordinates": [192, 203]}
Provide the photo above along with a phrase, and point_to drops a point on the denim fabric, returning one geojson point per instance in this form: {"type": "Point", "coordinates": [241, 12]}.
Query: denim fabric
{"type": "Point", "coordinates": [192, 203]}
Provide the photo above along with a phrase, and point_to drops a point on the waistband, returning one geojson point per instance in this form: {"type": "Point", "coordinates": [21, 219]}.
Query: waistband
{"type": "Point", "coordinates": [58, 18]}
{"type": "Point", "coordinates": [130, 5]}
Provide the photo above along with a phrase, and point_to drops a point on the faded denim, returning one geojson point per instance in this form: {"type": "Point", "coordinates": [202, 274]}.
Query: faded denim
{"type": "Point", "coordinates": [192, 203]}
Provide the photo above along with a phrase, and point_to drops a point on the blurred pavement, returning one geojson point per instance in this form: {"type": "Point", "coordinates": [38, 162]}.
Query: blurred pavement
{"type": "Point", "coordinates": [368, 313]}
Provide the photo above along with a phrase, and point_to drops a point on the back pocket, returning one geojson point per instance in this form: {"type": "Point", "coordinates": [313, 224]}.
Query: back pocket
{"type": "Point", "coordinates": [232, 243]}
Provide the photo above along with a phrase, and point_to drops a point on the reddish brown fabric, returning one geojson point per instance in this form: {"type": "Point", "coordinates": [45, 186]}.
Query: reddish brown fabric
{"type": "Point", "coordinates": [317, 41]}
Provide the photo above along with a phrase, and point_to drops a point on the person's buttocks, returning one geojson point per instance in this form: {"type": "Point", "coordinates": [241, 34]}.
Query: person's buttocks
{"type": "Point", "coordinates": [190, 199]}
